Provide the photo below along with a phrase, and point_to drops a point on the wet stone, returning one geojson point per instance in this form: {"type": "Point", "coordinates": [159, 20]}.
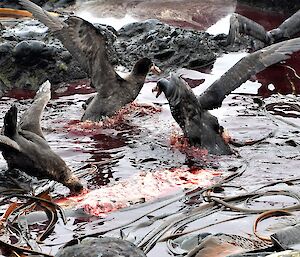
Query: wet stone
{"type": "Point", "coordinates": [30, 55]}
{"type": "Point", "coordinates": [105, 247]}
{"type": "Point", "coordinates": [169, 47]}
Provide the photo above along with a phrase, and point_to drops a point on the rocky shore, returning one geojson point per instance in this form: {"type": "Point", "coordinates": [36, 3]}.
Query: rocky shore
{"type": "Point", "coordinates": [29, 54]}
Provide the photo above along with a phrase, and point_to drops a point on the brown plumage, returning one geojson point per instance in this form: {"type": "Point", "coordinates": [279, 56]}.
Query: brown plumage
{"type": "Point", "coordinates": [91, 49]}
{"type": "Point", "coordinates": [191, 112]}
{"type": "Point", "coordinates": [243, 25]}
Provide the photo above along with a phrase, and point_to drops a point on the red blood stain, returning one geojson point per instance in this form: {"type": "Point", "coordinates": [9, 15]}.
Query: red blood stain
{"type": "Point", "coordinates": [181, 143]}
{"type": "Point", "coordinates": [78, 128]}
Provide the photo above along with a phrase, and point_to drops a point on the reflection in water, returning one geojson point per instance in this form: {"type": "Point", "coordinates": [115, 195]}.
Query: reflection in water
{"type": "Point", "coordinates": [285, 78]}
{"type": "Point", "coordinates": [109, 141]}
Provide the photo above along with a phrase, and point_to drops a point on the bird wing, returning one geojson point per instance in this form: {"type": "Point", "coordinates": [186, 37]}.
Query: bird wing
{"type": "Point", "coordinates": [87, 44]}
{"type": "Point", "coordinates": [240, 24]}
{"type": "Point", "coordinates": [291, 26]}
{"type": "Point", "coordinates": [31, 118]}
{"type": "Point", "coordinates": [244, 69]}
{"type": "Point", "coordinates": [91, 49]}
{"type": "Point", "coordinates": [52, 22]}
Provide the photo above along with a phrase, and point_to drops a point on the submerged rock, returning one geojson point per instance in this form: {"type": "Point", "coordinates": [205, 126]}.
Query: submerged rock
{"type": "Point", "coordinates": [105, 247]}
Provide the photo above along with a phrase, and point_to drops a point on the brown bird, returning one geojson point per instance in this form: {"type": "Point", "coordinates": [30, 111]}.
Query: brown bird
{"type": "Point", "coordinates": [91, 49]}
{"type": "Point", "coordinates": [24, 146]}
{"type": "Point", "coordinates": [243, 25]}
{"type": "Point", "coordinates": [191, 113]}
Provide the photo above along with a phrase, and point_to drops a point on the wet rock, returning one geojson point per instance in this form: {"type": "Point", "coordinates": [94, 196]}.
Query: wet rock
{"type": "Point", "coordinates": [29, 54]}
{"type": "Point", "coordinates": [105, 247]}
{"type": "Point", "coordinates": [168, 46]}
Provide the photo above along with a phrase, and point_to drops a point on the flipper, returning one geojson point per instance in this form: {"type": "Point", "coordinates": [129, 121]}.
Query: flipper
{"type": "Point", "coordinates": [242, 25]}
{"type": "Point", "coordinates": [244, 69]}
{"type": "Point", "coordinates": [7, 143]}
{"type": "Point", "coordinates": [31, 118]}
{"type": "Point", "coordinates": [10, 122]}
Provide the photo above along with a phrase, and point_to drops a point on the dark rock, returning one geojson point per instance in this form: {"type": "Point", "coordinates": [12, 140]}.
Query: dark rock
{"type": "Point", "coordinates": [105, 247]}
{"type": "Point", "coordinates": [30, 55]}
{"type": "Point", "coordinates": [169, 47]}
{"type": "Point", "coordinates": [29, 52]}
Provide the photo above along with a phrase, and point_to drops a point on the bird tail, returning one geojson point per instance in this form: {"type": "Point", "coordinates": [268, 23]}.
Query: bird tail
{"type": "Point", "coordinates": [52, 22]}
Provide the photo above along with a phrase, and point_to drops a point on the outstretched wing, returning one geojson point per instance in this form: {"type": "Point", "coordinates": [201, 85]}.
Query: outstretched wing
{"type": "Point", "coordinates": [52, 22]}
{"type": "Point", "coordinates": [31, 118]}
{"type": "Point", "coordinates": [291, 26]}
{"type": "Point", "coordinates": [86, 43]}
{"type": "Point", "coordinates": [242, 25]}
{"type": "Point", "coordinates": [244, 69]}
{"type": "Point", "coordinates": [90, 47]}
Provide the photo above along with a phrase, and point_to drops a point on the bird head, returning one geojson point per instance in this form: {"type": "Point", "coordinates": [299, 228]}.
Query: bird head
{"type": "Point", "coordinates": [143, 66]}
{"type": "Point", "coordinates": [163, 85]}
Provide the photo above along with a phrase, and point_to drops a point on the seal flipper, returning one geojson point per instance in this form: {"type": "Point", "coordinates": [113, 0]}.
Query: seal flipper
{"type": "Point", "coordinates": [31, 118]}
{"type": "Point", "coordinates": [7, 143]}
{"type": "Point", "coordinates": [10, 122]}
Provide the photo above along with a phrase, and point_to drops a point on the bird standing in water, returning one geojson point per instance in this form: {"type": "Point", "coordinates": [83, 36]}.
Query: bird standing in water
{"type": "Point", "coordinates": [90, 47]}
{"type": "Point", "coordinates": [201, 128]}
{"type": "Point", "coordinates": [192, 113]}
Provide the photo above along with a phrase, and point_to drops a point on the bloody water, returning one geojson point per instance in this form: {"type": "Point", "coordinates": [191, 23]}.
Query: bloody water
{"type": "Point", "coordinates": [284, 77]}
{"type": "Point", "coordinates": [142, 140]}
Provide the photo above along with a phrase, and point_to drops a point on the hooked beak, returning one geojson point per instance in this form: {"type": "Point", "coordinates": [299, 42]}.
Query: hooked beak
{"type": "Point", "coordinates": [156, 89]}
{"type": "Point", "coordinates": [155, 70]}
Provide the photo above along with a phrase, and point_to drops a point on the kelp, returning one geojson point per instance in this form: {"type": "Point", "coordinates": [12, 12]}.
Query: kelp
{"type": "Point", "coordinates": [13, 222]}
{"type": "Point", "coordinates": [13, 13]}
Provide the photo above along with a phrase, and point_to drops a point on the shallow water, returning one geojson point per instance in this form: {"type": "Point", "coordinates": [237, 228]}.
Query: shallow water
{"type": "Point", "coordinates": [141, 141]}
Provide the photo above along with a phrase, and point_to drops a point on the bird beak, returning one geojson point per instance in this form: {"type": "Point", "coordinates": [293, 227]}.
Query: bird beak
{"type": "Point", "coordinates": [156, 89]}
{"type": "Point", "coordinates": [155, 70]}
